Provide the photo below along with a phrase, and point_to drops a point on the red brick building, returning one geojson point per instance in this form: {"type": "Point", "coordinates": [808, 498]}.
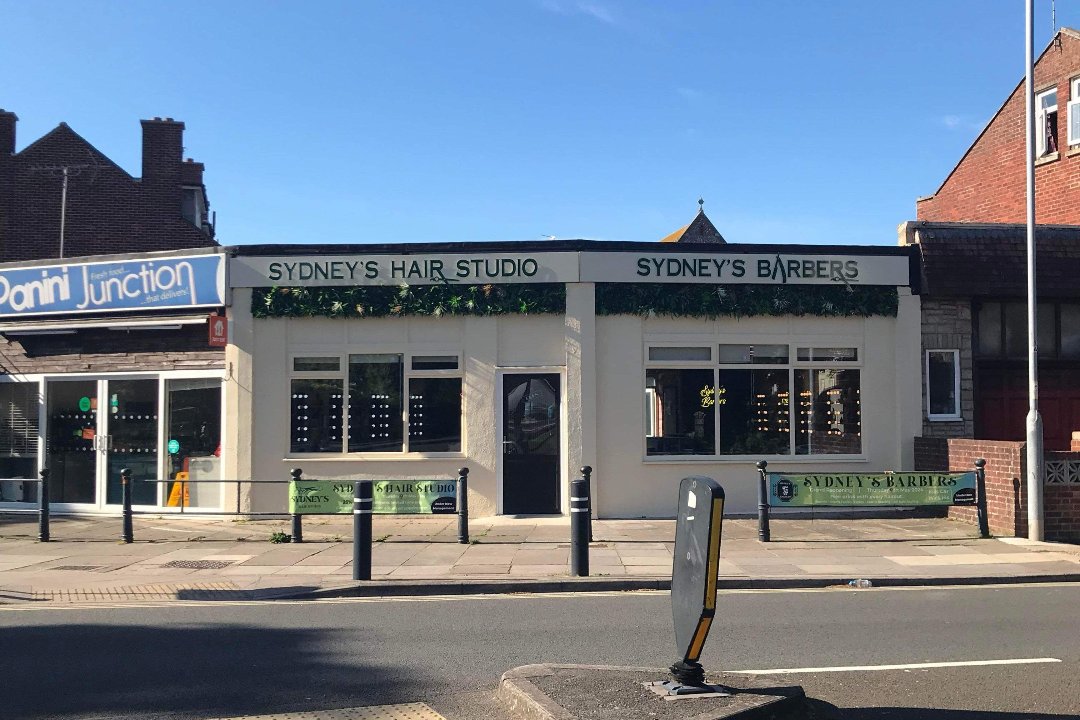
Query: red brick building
{"type": "Point", "coordinates": [106, 210]}
{"type": "Point", "coordinates": [988, 184]}
{"type": "Point", "coordinates": [971, 237]}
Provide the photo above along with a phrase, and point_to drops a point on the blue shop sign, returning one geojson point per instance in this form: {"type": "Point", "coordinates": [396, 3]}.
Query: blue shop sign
{"type": "Point", "coordinates": [143, 284]}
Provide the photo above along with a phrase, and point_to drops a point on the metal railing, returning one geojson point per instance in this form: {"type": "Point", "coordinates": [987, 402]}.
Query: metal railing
{"type": "Point", "coordinates": [127, 484]}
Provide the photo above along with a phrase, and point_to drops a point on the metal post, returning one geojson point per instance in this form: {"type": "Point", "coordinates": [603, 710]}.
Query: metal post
{"type": "Point", "coordinates": [63, 209]}
{"type": "Point", "coordinates": [297, 518]}
{"type": "Point", "coordinates": [579, 524]}
{"type": "Point", "coordinates": [43, 506]}
{"type": "Point", "coordinates": [361, 556]}
{"type": "Point", "coordinates": [125, 487]}
{"type": "Point", "coordinates": [463, 506]}
{"type": "Point", "coordinates": [1034, 420]}
{"type": "Point", "coordinates": [763, 502]}
{"type": "Point", "coordinates": [980, 488]}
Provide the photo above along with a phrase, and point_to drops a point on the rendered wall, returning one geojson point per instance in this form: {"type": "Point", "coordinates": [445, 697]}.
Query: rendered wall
{"type": "Point", "coordinates": [631, 485]}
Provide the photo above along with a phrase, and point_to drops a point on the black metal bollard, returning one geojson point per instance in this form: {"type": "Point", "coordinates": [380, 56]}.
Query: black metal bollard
{"type": "Point", "coordinates": [980, 488]}
{"type": "Point", "coordinates": [125, 488]}
{"type": "Point", "coordinates": [361, 556]}
{"type": "Point", "coordinates": [463, 506]}
{"type": "Point", "coordinates": [297, 535]}
{"type": "Point", "coordinates": [43, 506]}
{"type": "Point", "coordinates": [580, 522]}
{"type": "Point", "coordinates": [763, 502]}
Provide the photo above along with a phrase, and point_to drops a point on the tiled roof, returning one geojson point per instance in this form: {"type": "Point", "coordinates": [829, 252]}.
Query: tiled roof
{"type": "Point", "coordinates": [969, 260]}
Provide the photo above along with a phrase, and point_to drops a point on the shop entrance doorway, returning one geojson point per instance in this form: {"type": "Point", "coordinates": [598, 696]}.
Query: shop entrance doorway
{"type": "Point", "coordinates": [96, 428]}
{"type": "Point", "coordinates": [167, 428]}
{"type": "Point", "coordinates": [531, 442]}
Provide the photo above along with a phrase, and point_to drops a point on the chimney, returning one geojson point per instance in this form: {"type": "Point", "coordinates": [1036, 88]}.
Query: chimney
{"type": "Point", "coordinates": [162, 149]}
{"type": "Point", "coordinates": [7, 132]}
{"type": "Point", "coordinates": [191, 173]}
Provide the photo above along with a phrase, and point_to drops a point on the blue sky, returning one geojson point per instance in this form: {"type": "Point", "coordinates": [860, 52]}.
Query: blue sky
{"type": "Point", "coordinates": [459, 120]}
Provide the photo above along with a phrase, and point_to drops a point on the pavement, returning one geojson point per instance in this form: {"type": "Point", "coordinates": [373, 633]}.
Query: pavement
{"type": "Point", "coordinates": [176, 558]}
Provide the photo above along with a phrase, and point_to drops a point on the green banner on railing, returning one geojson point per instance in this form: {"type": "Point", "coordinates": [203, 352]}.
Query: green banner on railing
{"type": "Point", "coordinates": [391, 497]}
{"type": "Point", "coordinates": [879, 489]}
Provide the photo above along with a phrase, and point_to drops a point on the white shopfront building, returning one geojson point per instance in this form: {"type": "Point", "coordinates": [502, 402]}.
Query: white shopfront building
{"type": "Point", "coordinates": [525, 361]}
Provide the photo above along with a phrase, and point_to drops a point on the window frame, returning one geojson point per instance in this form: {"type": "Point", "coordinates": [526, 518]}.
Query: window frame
{"type": "Point", "coordinates": [408, 374]}
{"type": "Point", "coordinates": [1042, 149]}
{"type": "Point", "coordinates": [957, 413]}
{"type": "Point", "coordinates": [1072, 120]}
{"type": "Point", "coordinates": [791, 366]}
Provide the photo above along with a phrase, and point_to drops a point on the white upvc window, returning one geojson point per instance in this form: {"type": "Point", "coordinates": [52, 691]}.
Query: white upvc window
{"type": "Point", "coordinates": [1046, 122]}
{"type": "Point", "coordinates": [386, 402]}
{"type": "Point", "coordinates": [1074, 111]}
{"type": "Point", "coordinates": [943, 385]}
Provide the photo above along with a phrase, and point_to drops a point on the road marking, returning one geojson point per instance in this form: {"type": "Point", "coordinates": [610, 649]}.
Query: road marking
{"type": "Point", "coordinates": [907, 666]}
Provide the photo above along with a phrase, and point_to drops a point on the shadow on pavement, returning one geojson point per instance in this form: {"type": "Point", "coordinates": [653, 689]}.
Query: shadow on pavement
{"type": "Point", "coordinates": [141, 671]}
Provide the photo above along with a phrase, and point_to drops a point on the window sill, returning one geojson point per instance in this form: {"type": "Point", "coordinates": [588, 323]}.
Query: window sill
{"type": "Point", "coordinates": [945, 418]}
{"type": "Point", "coordinates": [1074, 150]}
{"type": "Point", "coordinates": [379, 457]}
{"type": "Point", "coordinates": [799, 459]}
{"type": "Point", "coordinates": [1047, 159]}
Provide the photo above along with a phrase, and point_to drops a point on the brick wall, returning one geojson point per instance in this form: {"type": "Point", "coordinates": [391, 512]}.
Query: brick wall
{"type": "Point", "coordinates": [1006, 485]}
{"type": "Point", "coordinates": [946, 325]}
{"type": "Point", "coordinates": [988, 184]}
{"type": "Point", "coordinates": [108, 210]}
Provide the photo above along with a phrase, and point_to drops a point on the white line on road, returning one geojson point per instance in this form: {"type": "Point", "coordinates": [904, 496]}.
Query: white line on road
{"type": "Point", "coordinates": [907, 666]}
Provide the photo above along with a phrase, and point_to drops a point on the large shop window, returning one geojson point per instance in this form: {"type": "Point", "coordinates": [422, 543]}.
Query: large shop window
{"type": "Point", "coordinates": [376, 403]}
{"type": "Point", "coordinates": [747, 400]}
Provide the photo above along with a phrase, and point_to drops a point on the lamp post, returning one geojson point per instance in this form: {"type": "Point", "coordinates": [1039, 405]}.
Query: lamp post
{"type": "Point", "coordinates": [1034, 420]}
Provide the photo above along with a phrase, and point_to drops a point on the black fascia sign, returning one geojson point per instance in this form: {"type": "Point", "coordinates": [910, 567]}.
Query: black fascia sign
{"type": "Point", "coordinates": [694, 572]}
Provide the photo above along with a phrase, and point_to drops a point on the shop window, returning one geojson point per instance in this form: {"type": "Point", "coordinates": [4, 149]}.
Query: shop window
{"type": "Point", "coordinates": [1046, 123]}
{"type": "Point", "coordinates": [739, 408]}
{"type": "Point", "coordinates": [1002, 330]}
{"type": "Point", "coordinates": [376, 405]}
{"type": "Point", "coordinates": [755, 417]}
{"type": "Point", "coordinates": [683, 411]}
{"type": "Point", "coordinates": [1070, 331]}
{"type": "Point", "coordinates": [193, 432]}
{"type": "Point", "coordinates": [829, 416]}
{"type": "Point", "coordinates": [680, 354]}
{"type": "Point", "coordinates": [18, 440]}
{"type": "Point", "coordinates": [943, 384]}
{"type": "Point", "coordinates": [316, 416]}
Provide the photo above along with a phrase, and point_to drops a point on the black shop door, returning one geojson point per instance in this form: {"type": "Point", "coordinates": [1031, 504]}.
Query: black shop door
{"type": "Point", "coordinates": [530, 442]}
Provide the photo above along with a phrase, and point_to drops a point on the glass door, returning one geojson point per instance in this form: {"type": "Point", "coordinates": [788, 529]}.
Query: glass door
{"type": "Point", "coordinates": [131, 429]}
{"type": "Point", "coordinates": [530, 432]}
{"type": "Point", "coordinates": [71, 442]}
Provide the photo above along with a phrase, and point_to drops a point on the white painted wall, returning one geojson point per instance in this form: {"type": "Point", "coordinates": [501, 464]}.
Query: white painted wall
{"type": "Point", "coordinates": [602, 360]}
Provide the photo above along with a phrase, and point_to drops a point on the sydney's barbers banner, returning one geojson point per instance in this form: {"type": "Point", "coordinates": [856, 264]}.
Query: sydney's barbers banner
{"type": "Point", "coordinates": [165, 282]}
{"type": "Point", "coordinates": [886, 489]}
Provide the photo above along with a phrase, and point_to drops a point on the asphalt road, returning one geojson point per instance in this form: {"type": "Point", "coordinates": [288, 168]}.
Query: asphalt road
{"type": "Point", "coordinates": [200, 660]}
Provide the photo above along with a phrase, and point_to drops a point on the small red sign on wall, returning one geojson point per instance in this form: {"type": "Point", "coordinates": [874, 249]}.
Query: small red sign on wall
{"type": "Point", "coordinates": [219, 331]}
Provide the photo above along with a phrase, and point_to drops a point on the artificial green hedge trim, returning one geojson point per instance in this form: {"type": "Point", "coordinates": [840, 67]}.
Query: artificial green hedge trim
{"type": "Point", "coordinates": [363, 301]}
{"type": "Point", "coordinates": [713, 301]}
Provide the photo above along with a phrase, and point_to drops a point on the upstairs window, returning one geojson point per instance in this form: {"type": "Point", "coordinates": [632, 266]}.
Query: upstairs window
{"type": "Point", "coordinates": [1046, 124]}
{"type": "Point", "coordinates": [1074, 111]}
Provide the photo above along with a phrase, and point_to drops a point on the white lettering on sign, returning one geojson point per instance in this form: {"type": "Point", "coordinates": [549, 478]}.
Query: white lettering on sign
{"type": "Point", "coordinates": [35, 293]}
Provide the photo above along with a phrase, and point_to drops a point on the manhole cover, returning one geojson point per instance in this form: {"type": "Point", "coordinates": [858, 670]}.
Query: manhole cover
{"type": "Point", "coordinates": [408, 711]}
{"type": "Point", "coordinates": [197, 564]}
{"type": "Point", "coordinates": [77, 567]}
